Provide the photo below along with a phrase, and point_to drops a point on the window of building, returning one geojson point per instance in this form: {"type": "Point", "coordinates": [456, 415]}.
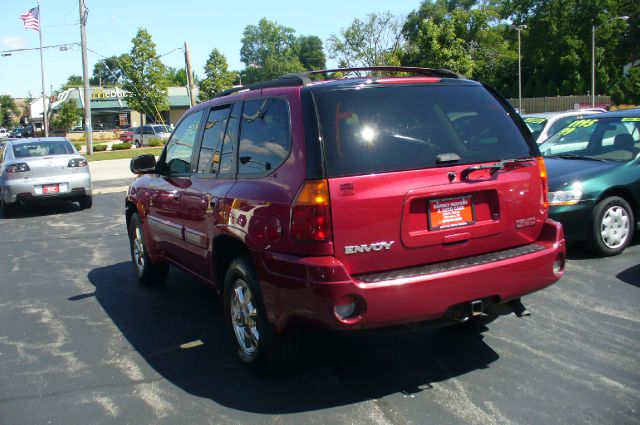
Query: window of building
{"type": "Point", "coordinates": [264, 137]}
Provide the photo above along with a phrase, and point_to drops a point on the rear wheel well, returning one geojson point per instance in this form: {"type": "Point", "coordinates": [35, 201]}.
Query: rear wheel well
{"type": "Point", "coordinates": [129, 208]}
{"type": "Point", "coordinates": [225, 249]}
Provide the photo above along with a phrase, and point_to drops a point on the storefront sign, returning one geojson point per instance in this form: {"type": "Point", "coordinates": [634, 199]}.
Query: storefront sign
{"type": "Point", "coordinates": [122, 120]}
{"type": "Point", "coordinates": [108, 94]}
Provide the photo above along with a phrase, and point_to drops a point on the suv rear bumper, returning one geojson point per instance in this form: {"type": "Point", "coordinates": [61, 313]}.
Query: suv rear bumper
{"type": "Point", "coordinates": [306, 289]}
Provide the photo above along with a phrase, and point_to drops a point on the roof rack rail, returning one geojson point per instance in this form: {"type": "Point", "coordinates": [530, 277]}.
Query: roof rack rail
{"type": "Point", "coordinates": [303, 78]}
{"type": "Point", "coordinates": [431, 72]}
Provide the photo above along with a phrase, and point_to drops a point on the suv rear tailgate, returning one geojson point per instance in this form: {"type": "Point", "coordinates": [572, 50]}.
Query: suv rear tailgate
{"type": "Point", "coordinates": [403, 219]}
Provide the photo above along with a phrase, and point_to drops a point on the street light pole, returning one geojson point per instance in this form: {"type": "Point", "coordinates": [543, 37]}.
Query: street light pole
{"type": "Point", "coordinates": [519, 28]}
{"type": "Point", "coordinates": [594, 28]}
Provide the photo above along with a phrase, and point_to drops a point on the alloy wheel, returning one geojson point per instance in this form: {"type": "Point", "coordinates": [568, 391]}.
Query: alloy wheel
{"type": "Point", "coordinates": [138, 250]}
{"type": "Point", "coordinates": [244, 318]}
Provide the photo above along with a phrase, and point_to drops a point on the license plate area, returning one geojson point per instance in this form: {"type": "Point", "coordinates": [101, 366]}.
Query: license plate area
{"type": "Point", "coordinates": [450, 212]}
{"type": "Point", "coordinates": [51, 188]}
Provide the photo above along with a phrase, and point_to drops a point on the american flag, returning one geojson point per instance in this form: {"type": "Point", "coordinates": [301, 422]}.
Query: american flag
{"type": "Point", "coordinates": [30, 19]}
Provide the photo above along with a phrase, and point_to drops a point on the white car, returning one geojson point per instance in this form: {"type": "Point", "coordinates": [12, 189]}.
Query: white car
{"type": "Point", "coordinates": [545, 125]}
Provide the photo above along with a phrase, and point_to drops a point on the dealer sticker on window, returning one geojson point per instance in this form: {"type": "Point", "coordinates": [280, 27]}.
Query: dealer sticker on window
{"type": "Point", "coordinates": [451, 212]}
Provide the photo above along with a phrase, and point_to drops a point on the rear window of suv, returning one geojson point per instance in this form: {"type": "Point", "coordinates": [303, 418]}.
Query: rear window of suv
{"type": "Point", "coordinates": [382, 129]}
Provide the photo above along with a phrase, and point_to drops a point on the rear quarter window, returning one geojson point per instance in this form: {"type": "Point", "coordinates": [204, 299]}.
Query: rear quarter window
{"type": "Point", "coordinates": [382, 129]}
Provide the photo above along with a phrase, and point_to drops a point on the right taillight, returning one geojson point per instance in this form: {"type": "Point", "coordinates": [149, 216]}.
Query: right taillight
{"type": "Point", "coordinates": [545, 181]}
{"type": "Point", "coordinates": [310, 213]}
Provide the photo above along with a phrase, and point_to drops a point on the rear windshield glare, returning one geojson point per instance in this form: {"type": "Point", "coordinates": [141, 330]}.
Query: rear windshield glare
{"type": "Point", "coordinates": [381, 129]}
{"type": "Point", "coordinates": [56, 147]}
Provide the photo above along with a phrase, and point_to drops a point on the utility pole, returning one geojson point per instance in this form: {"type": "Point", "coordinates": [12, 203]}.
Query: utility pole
{"type": "Point", "coordinates": [45, 115]}
{"type": "Point", "coordinates": [187, 61]}
{"type": "Point", "coordinates": [519, 28]}
{"type": "Point", "coordinates": [88, 131]}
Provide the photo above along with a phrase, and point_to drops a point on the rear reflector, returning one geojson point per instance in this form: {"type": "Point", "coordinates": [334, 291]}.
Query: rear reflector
{"type": "Point", "coordinates": [310, 215]}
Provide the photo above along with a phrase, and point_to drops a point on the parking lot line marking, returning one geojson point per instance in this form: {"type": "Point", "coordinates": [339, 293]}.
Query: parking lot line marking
{"type": "Point", "coordinates": [191, 344]}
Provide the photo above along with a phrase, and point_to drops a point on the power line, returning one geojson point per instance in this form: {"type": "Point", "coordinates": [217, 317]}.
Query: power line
{"type": "Point", "coordinates": [57, 46]}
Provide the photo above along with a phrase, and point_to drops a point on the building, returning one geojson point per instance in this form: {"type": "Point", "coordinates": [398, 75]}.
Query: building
{"type": "Point", "coordinates": [109, 108]}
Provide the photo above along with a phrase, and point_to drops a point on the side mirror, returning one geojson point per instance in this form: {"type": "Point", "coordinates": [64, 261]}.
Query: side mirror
{"type": "Point", "coordinates": [143, 164]}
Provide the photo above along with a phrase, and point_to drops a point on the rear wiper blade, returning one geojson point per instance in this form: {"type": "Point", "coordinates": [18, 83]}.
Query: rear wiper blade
{"type": "Point", "coordinates": [572, 156]}
{"type": "Point", "coordinates": [493, 168]}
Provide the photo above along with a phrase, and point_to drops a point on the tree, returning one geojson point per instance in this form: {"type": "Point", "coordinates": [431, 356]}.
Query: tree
{"type": "Point", "coordinates": [145, 77]}
{"type": "Point", "coordinates": [375, 41]}
{"type": "Point", "coordinates": [311, 53]}
{"type": "Point", "coordinates": [269, 51]}
{"type": "Point", "coordinates": [8, 110]}
{"type": "Point", "coordinates": [108, 71]}
{"type": "Point", "coordinates": [627, 89]}
{"type": "Point", "coordinates": [557, 43]}
{"type": "Point", "coordinates": [437, 45]}
{"type": "Point", "coordinates": [68, 116]}
{"type": "Point", "coordinates": [176, 77]}
{"type": "Point", "coordinates": [217, 76]}
{"type": "Point", "coordinates": [73, 81]}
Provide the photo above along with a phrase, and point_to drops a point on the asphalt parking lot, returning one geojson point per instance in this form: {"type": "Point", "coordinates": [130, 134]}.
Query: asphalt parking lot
{"type": "Point", "coordinates": [82, 343]}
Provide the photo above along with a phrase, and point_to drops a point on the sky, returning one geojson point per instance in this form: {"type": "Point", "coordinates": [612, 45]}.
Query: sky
{"type": "Point", "coordinates": [112, 24]}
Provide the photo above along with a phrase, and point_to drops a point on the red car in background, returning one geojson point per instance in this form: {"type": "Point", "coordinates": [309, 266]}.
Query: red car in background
{"type": "Point", "coordinates": [127, 135]}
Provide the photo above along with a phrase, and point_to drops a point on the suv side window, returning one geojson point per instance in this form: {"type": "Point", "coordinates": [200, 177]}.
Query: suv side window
{"type": "Point", "coordinates": [265, 139]}
{"type": "Point", "coordinates": [214, 129]}
{"type": "Point", "coordinates": [180, 147]}
{"type": "Point", "coordinates": [148, 129]}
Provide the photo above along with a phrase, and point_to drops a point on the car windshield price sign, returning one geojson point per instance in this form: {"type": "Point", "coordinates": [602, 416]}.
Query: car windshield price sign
{"type": "Point", "coordinates": [451, 212]}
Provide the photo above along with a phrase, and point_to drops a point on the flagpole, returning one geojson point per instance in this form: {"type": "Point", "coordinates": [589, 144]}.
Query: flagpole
{"type": "Point", "coordinates": [44, 93]}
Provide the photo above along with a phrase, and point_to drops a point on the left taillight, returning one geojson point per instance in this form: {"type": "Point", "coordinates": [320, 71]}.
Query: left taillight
{"type": "Point", "coordinates": [77, 162]}
{"type": "Point", "coordinates": [545, 181]}
{"type": "Point", "coordinates": [19, 167]}
{"type": "Point", "coordinates": [310, 215]}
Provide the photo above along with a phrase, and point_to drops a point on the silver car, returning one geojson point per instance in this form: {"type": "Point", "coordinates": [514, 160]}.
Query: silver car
{"type": "Point", "coordinates": [143, 135]}
{"type": "Point", "coordinates": [42, 169]}
{"type": "Point", "coordinates": [546, 124]}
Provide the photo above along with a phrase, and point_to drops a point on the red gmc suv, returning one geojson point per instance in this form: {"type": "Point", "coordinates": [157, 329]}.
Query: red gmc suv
{"type": "Point", "coordinates": [349, 202]}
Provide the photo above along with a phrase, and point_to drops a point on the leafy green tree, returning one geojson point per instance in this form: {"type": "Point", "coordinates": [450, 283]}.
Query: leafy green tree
{"type": "Point", "coordinates": [73, 81]}
{"type": "Point", "coordinates": [217, 76]}
{"type": "Point", "coordinates": [437, 45]}
{"type": "Point", "coordinates": [311, 53]}
{"type": "Point", "coordinates": [8, 110]}
{"type": "Point", "coordinates": [67, 116]}
{"type": "Point", "coordinates": [108, 71]}
{"type": "Point", "coordinates": [375, 41]}
{"type": "Point", "coordinates": [551, 89]}
{"type": "Point", "coordinates": [145, 77]}
{"type": "Point", "coordinates": [627, 89]}
{"type": "Point", "coordinates": [268, 51]}
{"type": "Point", "coordinates": [557, 43]}
{"type": "Point", "coordinates": [176, 77]}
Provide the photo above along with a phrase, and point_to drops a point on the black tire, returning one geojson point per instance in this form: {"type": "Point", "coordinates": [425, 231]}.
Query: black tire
{"type": "Point", "coordinates": [137, 143]}
{"type": "Point", "coordinates": [86, 202]}
{"type": "Point", "coordinates": [146, 272]}
{"type": "Point", "coordinates": [612, 226]}
{"type": "Point", "coordinates": [263, 352]}
{"type": "Point", "coordinates": [7, 209]}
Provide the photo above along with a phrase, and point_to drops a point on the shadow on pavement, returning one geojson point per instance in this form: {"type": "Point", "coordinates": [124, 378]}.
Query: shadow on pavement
{"type": "Point", "coordinates": [334, 370]}
{"type": "Point", "coordinates": [630, 275]}
{"type": "Point", "coordinates": [43, 209]}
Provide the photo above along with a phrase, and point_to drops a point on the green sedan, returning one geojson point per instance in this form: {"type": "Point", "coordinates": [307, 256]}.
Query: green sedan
{"type": "Point", "coordinates": [593, 166]}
